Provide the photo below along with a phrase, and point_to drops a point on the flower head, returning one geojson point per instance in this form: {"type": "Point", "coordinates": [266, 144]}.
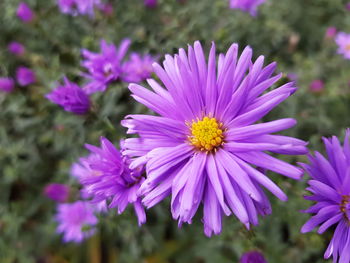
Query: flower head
{"type": "Point", "coordinates": [76, 221]}
{"type": "Point", "coordinates": [25, 76]}
{"type": "Point", "coordinates": [16, 48]}
{"type": "Point", "coordinates": [137, 68]}
{"type": "Point", "coordinates": [109, 178]}
{"type": "Point", "coordinates": [57, 192]}
{"type": "Point", "coordinates": [105, 67]}
{"type": "Point", "coordinates": [202, 146]}
{"type": "Point", "coordinates": [24, 12]}
{"type": "Point", "coordinates": [253, 257]}
{"type": "Point", "coordinates": [331, 32]}
{"type": "Point", "coordinates": [76, 7]}
{"type": "Point", "coordinates": [7, 84]}
{"type": "Point", "coordinates": [107, 8]}
{"type": "Point", "coordinates": [249, 6]}
{"type": "Point", "coordinates": [150, 3]}
{"type": "Point", "coordinates": [329, 187]}
{"type": "Point", "coordinates": [316, 86]}
{"type": "Point", "coordinates": [70, 97]}
{"type": "Point", "coordinates": [343, 41]}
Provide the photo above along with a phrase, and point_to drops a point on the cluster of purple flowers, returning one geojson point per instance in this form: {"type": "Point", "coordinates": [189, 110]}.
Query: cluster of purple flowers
{"type": "Point", "coordinates": [75, 7]}
{"type": "Point", "coordinates": [24, 77]}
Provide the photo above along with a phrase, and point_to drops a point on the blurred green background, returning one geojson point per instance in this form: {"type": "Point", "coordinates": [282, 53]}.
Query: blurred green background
{"type": "Point", "coordinates": [39, 141]}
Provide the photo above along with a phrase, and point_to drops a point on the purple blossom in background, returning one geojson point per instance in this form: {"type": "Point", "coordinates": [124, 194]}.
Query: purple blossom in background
{"type": "Point", "coordinates": [112, 179]}
{"type": "Point", "coordinates": [150, 3]}
{"type": "Point", "coordinates": [25, 76]}
{"type": "Point", "coordinates": [253, 257]}
{"type": "Point", "coordinates": [7, 84]}
{"type": "Point", "coordinates": [250, 6]}
{"type": "Point", "coordinates": [106, 8]}
{"type": "Point", "coordinates": [76, 7]}
{"type": "Point", "coordinates": [70, 97]}
{"type": "Point", "coordinates": [316, 86]}
{"type": "Point", "coordinates": [24, 12]}
{"type": "Point", "coordinates": [347, 6]}
{"type": "Point", "coordinates": [57, 192]}
{"type": "Point", "coordinates": [343, 41]}
{"type": "Point", "coordinates": [105, 67]}
{"type": "Point", "coordinates": [331, 32]}
{"type": "Point", "coordinates": [16, 48]}
{"type": "Point", "coordinates": [137, 68]}
{"type": "Point", "coordinates": [205, 144]}
{"type": "Point", "coordinates": [329, 187]}
{"type": "Point", "coordinates": [76, 221]}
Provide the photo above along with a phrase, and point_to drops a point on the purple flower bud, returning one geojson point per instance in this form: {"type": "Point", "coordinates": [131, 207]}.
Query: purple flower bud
{"type": "Point", "coordinates": [151, 3]}
{"type": "Point", "coordinates": [347, 6]}
{"type": "Point", "coordinates": [253, 257]}
{"type": "Point", "coordinates": [107, 9]}
{"type": "Point", "coordinates": [25, 13]}
{"type": "Point", "coordinates": [25, 76]}
{"type": "Point", "coordinates": [70, 97]}
{"type": "Point", "coordinates": [331, 32]}
{"type": "Point", "coordinates": [7, 84]}
{"type": "Point", "coordinates": [16, 48]}
{"type": "Point", "coordinates": [316, 86]}
{"type": "Point", "coordinates": [57, 192]}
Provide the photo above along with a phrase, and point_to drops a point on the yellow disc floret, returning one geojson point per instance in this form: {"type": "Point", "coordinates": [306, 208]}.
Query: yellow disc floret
{"type": "Point", "coordinates": [206, 134]}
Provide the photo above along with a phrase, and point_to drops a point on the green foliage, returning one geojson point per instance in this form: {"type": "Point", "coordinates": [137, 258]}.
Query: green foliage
{"type": "Point", "coordinates": [39, 141]}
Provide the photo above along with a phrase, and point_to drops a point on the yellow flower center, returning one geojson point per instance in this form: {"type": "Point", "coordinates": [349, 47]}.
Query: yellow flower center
{"type": "Point", "coordinates": [206, 134]}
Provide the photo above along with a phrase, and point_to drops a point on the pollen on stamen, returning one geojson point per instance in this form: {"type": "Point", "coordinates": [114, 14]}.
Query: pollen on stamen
{"type": "Point", "coordinates": [206, 134]}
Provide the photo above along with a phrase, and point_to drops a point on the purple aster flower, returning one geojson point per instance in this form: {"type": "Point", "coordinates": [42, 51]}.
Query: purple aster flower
{"type": "Point", "coordinates": [343, 41]}
{"type": "Point", "coordinates": [25, 76]}
{"type": "Point", "coordinates": [329, 187]}
{"type": "Point", "coordinates": [76, 7]}
{"type": "Point", "coordinates": [57, 192]}
{"type": "Point", "coordinates": [105, 175]}
{"type": "Point", "coordinates": [70, 97]}
{"type": "Point", "coordinates": [76, 221]}
{"type": "Point", "coordinates": [25, 13]}
{"type": "Point", "coordinates": [316, 86]}
{"type": "Point", "coordinates": [16, 48]}
{"type": "Point", "coordinates": [201, 147]}
{"type": "Point", "coordinates": [249, 6]}
{"type": "Point", "coordinates": [150, 3]}
{"type": "Point", "coordinates": [137, 68]}
{"type": "Point", "coordinates": [7, 84]}
{"type": "Point", "coordinates": [253, 257]}
{"type": "Point", "coordinates": [105, 67]}
{"type": "Point", "coordinates": [331, 32]}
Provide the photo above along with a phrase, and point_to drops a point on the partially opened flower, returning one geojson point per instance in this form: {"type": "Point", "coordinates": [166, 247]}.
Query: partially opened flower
{"type": "Point", "coordinates": [137, 68]}
{"type": "Point", "coordinates": [24, 12]}
{"type": "Point", "coordinates": [105, 67]}
{"type": "Point", "coordinates": [76, 221]}
{"type": "Point", "coordinates": [16, 48]}
{"type": "Point", "coordinates": [25, 76]}
{"type": "Point", "coordinates": [253, 257]}
{"type": "Point", "coordinates": [109, 178]}
{"type": "Point", "coordinates": [330, 190]}
{"type": "Point", "coordinates": [7, 84]}
{"type": "Point", "coordinates": [343, 41]}
{"type": "Point", "coordinates": [250, 6]}
{"type": "Point", "coordinates": [205, 145]}
{"type": "Point", "coordinates": [70, 97]}
{"type": "Point", "coordinates": [57, 192]}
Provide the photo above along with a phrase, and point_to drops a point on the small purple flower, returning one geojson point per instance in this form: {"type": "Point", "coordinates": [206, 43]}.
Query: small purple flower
{"type": "Point", "coordinates": [107, 9]}
{"type": "Point", "coordinates": [70, 97]}
{"type": "Point", "coordinates": [25, 76]}
{"type": "Point", "coordinates": [7, 84]}
{"type": "Point", "coordinates": [253, 257]}
{"type": "Point", "coordinates": [330, 190]}
{"type": "Point", "coordinates": [207, 141]}
{"type": "Point", "coordinates": [25, 13]}
{"type": "Point", "coordinates": [316, 86]}
{"type": "Point", "coordinates": [112, 179]}
{"type": "Point", "coordinates": [150, 3]}
{"type": "Point", "coordinates": [16, 48]}
{"type": "Point", "coordinates": [347, 6]}
{"type": "Point", "coordinates": [343, 41]}
{"type": "Point", "coordinates": [137, 68]}
{"type": "Point", "coordinates": [76, 7]}
{"type": "Point", "coordinates": [331, 32]}
{"type": "Point", "coordinates": [57, 192]}
{"type": "Point", "coordinates": [76, 221]}
{"type": "Point", "coordinates": [105, 67]}
{"type": "Point", "coordinates": [249, 6]}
